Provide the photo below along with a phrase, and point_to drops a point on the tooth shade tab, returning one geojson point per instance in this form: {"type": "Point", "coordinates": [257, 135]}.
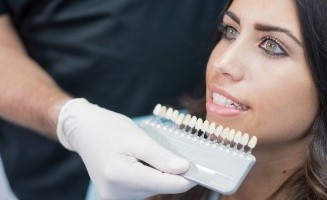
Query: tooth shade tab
{"type": "Point", "coordinates": [238, 137]}
{"type": "Point", "coordinates": [169, 113]}
{"type": "Point", "coordinates": [198, 124]}
{"type": "Point", "coordinates": [231, 135]}
{"type": "Point", "coordinates": [211, 128]}
{"type": "Point", "coordinates": [253, 142]}
{"type": "Point", "coordinates": [163, 111]}
{"type": "Point", "coordinates": [225, 133]}
{"type": "Point", "coordinates": [192, 122]}
{"type": "Point", "coordinates": [157, 109]}
{"type": "Point", "coordinates": [180, 119]}
{"type": "Point", "coordinates": [218, 131]}
{"type": "Point", "coordinates": [205, 126]}
{"type": "Point", "coordinates": [174, 115]}
{"type": "Point", "coordinates": [245, 139]}
{"type": "Point", "coordinates": [187, 119]}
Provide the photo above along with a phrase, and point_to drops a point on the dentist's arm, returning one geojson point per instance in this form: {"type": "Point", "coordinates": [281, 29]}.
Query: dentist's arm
{"type": "Point", "coordinates": [29, 97]}
{"type": "Point", "coordinates": [109, 143]}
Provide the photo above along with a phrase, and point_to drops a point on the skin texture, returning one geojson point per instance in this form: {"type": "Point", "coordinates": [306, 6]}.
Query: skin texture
{"type": "Point", "coordinates": [266, 71]}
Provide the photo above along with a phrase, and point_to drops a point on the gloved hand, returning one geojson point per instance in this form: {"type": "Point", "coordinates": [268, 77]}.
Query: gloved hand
{"type": "Point", "coordinates": [111, 146]}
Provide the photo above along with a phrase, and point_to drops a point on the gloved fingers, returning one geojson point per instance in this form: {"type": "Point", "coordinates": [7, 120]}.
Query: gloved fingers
{"type": "Point", "coordinates": [154, 154]}
{"type": "Point", "coordinates": [148, 179]}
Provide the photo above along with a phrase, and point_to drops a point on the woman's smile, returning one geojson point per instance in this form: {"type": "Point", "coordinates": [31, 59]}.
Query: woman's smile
{"type": "Point", "coordinates": [221, 103]}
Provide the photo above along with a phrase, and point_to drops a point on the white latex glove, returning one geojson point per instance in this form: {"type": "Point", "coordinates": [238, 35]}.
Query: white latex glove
{"type": "Point", "coordinates": [111, 146]}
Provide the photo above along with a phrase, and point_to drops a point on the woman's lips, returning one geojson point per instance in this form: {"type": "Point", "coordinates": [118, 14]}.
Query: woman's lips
{"type": "Point", "coordinates": [219, 102]}
{"type": "Point", "coordinates": [224, 101]}
{"type": "Point", "coordinates": [215, 109]}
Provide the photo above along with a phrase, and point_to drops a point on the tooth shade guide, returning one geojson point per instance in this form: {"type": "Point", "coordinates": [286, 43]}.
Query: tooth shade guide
{"type": "Point", "coordinates": [229, 147]}
{"type": "Point", "coordinates": [202, 129]}
{"type": "Point", "coordinates": [204, 156]}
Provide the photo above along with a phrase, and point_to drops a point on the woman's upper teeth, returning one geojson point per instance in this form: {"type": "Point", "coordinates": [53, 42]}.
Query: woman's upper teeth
{"type": "Point", "coordinates": [224, 101]}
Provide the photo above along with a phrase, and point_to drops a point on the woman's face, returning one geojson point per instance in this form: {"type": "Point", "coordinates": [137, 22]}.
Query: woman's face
{"type": "Point", "coordinates": [258, 80]}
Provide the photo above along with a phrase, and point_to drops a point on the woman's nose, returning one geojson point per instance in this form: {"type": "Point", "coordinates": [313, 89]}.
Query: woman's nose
{"type": "Point", "coordinates": [230, 63]}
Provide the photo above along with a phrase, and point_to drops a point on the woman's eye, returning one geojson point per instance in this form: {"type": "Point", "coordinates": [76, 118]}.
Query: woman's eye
{"type": "Point", "coordinates": [272, 47]}
{"type": "Point", "coordinates": [231, 33]}
{"type": "Point", "coordinates": [227, 31]}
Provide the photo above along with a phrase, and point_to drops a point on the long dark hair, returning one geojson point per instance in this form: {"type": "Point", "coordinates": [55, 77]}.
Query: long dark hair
{"type": "Point", "coordinates": [309, 181]}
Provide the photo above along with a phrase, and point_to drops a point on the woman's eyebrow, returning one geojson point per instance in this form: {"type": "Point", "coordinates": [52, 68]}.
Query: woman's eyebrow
{"type": "Point", "coordinates": [233, 16]}
{"type": "Point", "coordinates": [270, 28]}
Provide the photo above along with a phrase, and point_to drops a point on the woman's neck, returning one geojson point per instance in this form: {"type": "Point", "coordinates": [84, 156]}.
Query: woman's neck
{"type": "Point", "coordinates": [274, 165]}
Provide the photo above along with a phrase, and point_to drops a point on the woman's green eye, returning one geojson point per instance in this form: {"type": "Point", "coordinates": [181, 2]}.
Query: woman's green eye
{"type": "Point", "coordinates": [231, 33]}
{"type": "Point", "coordinates": [272, 47]}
